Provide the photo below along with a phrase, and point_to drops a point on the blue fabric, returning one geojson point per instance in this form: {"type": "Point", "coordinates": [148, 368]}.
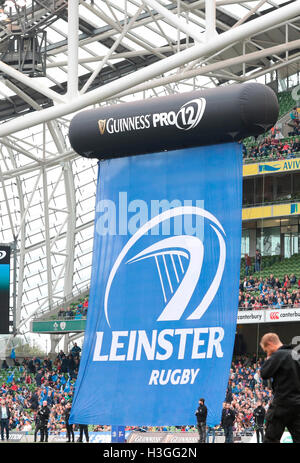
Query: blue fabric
{"type": "Point", "coordinates": [164, 290]}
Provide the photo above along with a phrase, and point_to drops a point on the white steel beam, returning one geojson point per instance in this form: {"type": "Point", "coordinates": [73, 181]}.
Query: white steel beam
{"type": "Point", "coordinates": [210, 19]}
{"type": "Point", "coordinates": [174, 20]}
{"type": "Point", "coordinates": [107, 91]}
{"type": "Point", "coordinates": [204, 70]}
{"type": "Point", "coordinates": [35, 84]}
{"type": "Point", "coordinates": [113, 48]}
{"type": "Point", "coordinates": [73, 41]}
{"type": "Point", "coordinates": [250, 13]}
{"type": "Point", "coordinates": [118, 56]}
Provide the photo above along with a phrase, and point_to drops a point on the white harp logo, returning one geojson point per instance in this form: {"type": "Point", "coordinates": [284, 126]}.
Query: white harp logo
{"type": "Point", "coordinates": [2, 254]}
{"type": "Point", "coordinates": [177, 247]}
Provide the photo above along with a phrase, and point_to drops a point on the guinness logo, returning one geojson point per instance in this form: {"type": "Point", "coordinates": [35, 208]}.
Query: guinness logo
{"type": "Point", "coordinates": [102, 124]}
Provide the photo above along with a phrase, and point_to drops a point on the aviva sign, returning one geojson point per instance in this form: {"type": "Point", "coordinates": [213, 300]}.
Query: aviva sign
{"type": "Point", "coordinates": [285, 165]}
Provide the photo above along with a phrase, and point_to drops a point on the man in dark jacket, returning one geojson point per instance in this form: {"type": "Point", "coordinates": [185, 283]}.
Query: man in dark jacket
{"type": "Point", "coordinates": [282, 367]}
{"type": "Point", "coordinates": [227, 420]}
{"type": "Point", "coordinates": [259, 414]}
{"type": "Point", "coordinates": [69, 427]}
{"type": "Point", "coordinates": [42, 419]}
{"type": "Point", "coordinates": [4, 419]}
{"type": "Point", "coordinates": [34, 401]}
{"type": "Point", "coordinates": [38, 378]}
{"type": "Point", "coordinates": [201, 414]}
{"type": "Point", "coordinates": [83, 429]}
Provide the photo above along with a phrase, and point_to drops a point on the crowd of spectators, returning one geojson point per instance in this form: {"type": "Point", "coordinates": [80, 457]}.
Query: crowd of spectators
{"type": "Point", "coordinates": [275, 146]}
{"type": "Point", "coordinates": [272, 148]}
{"type": "Point", "coordinates": [259, 293]}
{"type": "Point", "coordinates": [294, 122]}
{"type": "Point", "coordinates": [76, 311]}
{"type": "Point", "coordinates": [246, 390]}
{"type": "Point", "coordinates": [26, 385]}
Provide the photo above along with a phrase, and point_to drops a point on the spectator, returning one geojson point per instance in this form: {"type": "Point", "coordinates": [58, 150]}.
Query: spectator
{"type": "Point", "coordinates": [69, 427]}
{"type": "Point", "coordinates": [4, 419]}
{"type": "Point", "coordinates": [247, 264]}
{"type": "Point", "coordinates": [257, 261]}
{"type": "Point", "coordinates": [75, 351]}
{"type": "Point", "coordinates": [296, 146]}
{"type": "Point", "coordinates": [4, 365]}
{"type": "Point", "coordinates": [227, 420]}
{"type": "Point", "coordinates": [38, 378]}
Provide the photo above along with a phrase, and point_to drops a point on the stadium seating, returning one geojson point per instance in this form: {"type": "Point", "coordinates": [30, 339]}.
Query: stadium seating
{"type": "Point", "coordinates": [286, 102]}
{"type": "Point", "coordinates": [276, 266]}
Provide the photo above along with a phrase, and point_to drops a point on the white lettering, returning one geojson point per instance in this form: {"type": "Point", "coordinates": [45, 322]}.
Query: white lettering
{"type": "Point", "coordinates": [144, 343]}
{"type": "Point", "coordinates": [160, 345]}
{"type": "Point", "coordinates": [194, 374]}
{"type": "Point", "coordinates": [165, 344]}
{"type": "Point", "coordinates": [183, 334]}
{"type": "Point", "coordinates": [131, 346]}
{"type": "Point", "coordinates": [154, 377]}
{"type": "Point", "coordinates": [198, 342]}
{"type": "Point", "coordinates": [115, 345]}
{"type": "Point", "coordinates": [97, 357]}
{"type": "Point", "coordinates": [215, 342]}
{"type": "Point", "coordinates": [185, 378]}
{"type": "Point", "coordinates": [174, 377]}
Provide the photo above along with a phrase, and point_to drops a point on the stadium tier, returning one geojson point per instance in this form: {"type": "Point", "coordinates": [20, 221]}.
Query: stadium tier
{"type": "Point", "coordinates": [149, 223]}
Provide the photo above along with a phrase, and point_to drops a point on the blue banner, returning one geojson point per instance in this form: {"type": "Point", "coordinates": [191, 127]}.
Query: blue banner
{"type": "Point", "coordinates": [118, 434]}
{"type": "Point", "coordinates": [164, 288]}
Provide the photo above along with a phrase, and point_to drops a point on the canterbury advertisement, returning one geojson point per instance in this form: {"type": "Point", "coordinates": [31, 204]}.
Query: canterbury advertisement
{"type": "Point", "coordinates": [164, 287]}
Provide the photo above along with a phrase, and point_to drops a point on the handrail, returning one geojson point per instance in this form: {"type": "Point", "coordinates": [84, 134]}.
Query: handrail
{"type": "Point", "coordinates": [267, 307]}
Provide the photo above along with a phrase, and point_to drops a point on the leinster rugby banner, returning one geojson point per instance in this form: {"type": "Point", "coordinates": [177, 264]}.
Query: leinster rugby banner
{"type": "Point", "coordinates": [164, 288]}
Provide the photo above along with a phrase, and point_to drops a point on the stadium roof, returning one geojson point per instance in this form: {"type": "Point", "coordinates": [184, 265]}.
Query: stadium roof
{"type": "Point", "coordinates": [96, 52]}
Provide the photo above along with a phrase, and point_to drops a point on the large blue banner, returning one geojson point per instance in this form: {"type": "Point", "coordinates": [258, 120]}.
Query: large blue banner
{"type": "Point", "coordinates": [164, 288]}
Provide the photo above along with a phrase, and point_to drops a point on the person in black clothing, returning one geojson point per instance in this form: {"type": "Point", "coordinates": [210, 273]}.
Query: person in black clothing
{"type": "Point", "coordinates": [282, 367]}
{"type": "Point", "coordinates": [4, 419]}
{"type": "Point", "coordinates": [37, 422]}
{"type": "Point", "coordinates": [259, 414]}
{"type": "Point", "coordinates": [83, 428]}
{"type": "Point", "coordinates": [4, 365]}
{"type": "Point", "coordinates": [69, 427]}
{"type": "Point", "coordinates": [257, 261]}
{"type": "Point", "coordinates": [31, 367]}
{"type": "Point", "coordinates": [42, 421]}
{"type": "Point", "coordinates": [296, 146]}
{"type": "Point", "coordinates": [229, 395]}
{"type": "Point", "coordinates": [201, 414]}
{"type": "Point", "coordinates": [34, 401]}
{"type": "Point", "coordinates": [38, 378]}
{"type": "Point", "coordinates": [227, 420]}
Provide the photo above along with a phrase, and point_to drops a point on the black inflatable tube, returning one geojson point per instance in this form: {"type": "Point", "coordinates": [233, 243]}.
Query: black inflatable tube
{"type": "Point", "coordinates": [205, 117]}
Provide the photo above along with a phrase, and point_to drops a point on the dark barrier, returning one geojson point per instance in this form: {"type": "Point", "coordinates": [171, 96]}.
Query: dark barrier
{"type": "Point", "coordinates": [4, 288]}
{"type": "Point", "coordinates": [205, 117]}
